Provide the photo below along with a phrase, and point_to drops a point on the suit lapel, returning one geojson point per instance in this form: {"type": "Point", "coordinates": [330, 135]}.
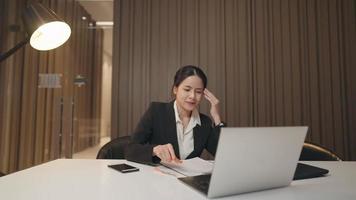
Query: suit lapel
{"type": "Point", "coordinates": [172, 128]}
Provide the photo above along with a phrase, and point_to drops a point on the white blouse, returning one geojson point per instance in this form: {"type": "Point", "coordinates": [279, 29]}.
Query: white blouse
{"type": "Point", "coordinates": [185, 137]}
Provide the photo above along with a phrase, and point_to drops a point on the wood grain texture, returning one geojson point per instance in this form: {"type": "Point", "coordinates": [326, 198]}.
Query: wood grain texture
{"type": "Point", "coordinates": [41, 124]}
{"type": "Point", "coordinates": [270, 62]}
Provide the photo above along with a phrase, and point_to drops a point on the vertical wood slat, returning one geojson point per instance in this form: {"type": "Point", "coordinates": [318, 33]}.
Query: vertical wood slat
{"type": "Point", "coordinates": [2, 93]}
{"type": "Point", "coordinates": [272, 63]}
{"type": "Point", "coordinates": [28, 126]}
{"type": "Point", "coordinates": [274, 38]}
{"type": "Point", "coordinates": [8, 80]}
{"type": "Point", "coordinates": [259, 64]}
{"type": "Point", "coordinates": [343, 100]}
{"type": "Point", "coordinates": [277, 63]}
{"type": "Point", "coordinates": [204, 45]}
{"type": "Point", "coordinates": [136, 60]}
{"type": "Point", "coordinates": [72, 53]}
{"type": "Point", "coordinates": [324, 70]}
{"type": "Point", "coordinates": [302, 7]}
{"type": "Point", "coordinates": [54, 139]}
{"type": "Point", "coordinates": [313, 72]}
{"type": "Point", "coordinates": [40, 110]}
{"type": "Point", "coordinates": [297, 106]}
{"type": "Point", "coordinates": [115, 122]}
{"type": "Point", "coordinates": [349, 44]}
{"type": "Point", "coordinates": [335, 77]}
{"type": "Point", "coordinates": [97, 74]}
{"type": "Point", "coordinates": [17, 75]}
{"type": "Point", "coordinates": [286, 63]}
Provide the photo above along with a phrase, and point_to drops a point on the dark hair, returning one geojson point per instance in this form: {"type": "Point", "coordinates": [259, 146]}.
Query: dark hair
{"type": "Point", "coordinates": [186, 71]}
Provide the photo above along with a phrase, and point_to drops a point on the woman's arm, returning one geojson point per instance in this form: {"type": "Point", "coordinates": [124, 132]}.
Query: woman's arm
{"type": "Point", "coordinates": [215, 115]}
{"type": "Point", "coordinates": [213, 139]}
{"type": "Point", "coordinates": [140, 149]}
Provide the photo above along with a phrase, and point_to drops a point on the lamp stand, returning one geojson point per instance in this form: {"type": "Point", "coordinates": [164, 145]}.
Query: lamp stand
{"type": "Point", "coordinates": [14, 49]}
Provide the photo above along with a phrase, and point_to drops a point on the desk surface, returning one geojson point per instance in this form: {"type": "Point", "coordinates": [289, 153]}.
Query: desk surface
{"type": "Point", "coordinates": [92, 179]}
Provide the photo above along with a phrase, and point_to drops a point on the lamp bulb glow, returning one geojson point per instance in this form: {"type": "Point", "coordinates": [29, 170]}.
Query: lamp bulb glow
{"type": "Point", "coordinates": [50, 35]}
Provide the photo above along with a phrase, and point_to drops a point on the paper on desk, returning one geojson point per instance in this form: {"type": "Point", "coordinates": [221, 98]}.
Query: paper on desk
{"type": "Point", "coordinates": [191, 167]}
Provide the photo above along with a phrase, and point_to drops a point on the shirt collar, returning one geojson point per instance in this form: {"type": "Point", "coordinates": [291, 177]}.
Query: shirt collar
{"type": "Point", "coordinates": [195, 118]}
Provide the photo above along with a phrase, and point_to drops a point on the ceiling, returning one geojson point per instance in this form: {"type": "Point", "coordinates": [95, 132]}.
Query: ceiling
{"type": "Point", "coordinates": [100, 10]}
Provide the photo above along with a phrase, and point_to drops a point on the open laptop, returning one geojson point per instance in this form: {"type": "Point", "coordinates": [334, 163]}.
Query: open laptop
{"type": "Point", "coordinates": [252, 159]}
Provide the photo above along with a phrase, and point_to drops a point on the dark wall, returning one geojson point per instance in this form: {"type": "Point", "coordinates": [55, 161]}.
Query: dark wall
{"type": "Point", "coordinates": [270, 62]}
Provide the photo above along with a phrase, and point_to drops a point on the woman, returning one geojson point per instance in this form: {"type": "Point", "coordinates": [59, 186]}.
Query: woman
{"type": "Point", "coordinates": [173, 131]}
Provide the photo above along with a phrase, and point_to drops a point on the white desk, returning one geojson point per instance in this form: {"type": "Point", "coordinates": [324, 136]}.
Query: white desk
{"type": "Point", "coordinates": [92, 179]}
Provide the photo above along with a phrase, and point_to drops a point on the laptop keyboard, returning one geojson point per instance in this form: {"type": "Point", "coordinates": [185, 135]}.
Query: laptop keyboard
{"type": "Point", "coordinates": [200, 182]}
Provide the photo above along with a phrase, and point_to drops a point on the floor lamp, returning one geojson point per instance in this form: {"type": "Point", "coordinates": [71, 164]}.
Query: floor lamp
{"type": "Point", "coordinates": [45, 30]}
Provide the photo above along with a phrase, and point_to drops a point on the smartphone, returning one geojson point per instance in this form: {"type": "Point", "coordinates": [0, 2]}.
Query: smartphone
{"type": "Point", "coordinates": [124, 168]}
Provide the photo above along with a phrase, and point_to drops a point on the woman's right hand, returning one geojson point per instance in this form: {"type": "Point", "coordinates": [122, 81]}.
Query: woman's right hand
{"type": "Point", "coordinates": [166, 153]}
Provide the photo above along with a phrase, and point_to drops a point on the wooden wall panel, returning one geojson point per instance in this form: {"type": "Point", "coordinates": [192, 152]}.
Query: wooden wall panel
{"type": "Point", "coordinates": [52, 148]}
{"type": "Point", "coordinates": [97, 74]}
{"type": "Point", "coordinates": [347, 22]}
{"type": "Point", "coordinates": [271, 63]}
{"type": "Point", "coordinates": [39, 124]}
{"type": "Point", "coordinates": [86, 127]}
{"type": "Point", "coordinates": [238, 51]}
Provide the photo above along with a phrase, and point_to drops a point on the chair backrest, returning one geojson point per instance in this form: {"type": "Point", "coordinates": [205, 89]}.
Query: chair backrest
{"type": "Point", "coordinates": [115, 149]}
{"type": "Point", "coordinates": [316, 152]}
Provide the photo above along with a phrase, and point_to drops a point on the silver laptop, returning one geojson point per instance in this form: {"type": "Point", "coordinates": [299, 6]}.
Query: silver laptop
{"type": "Point", "coordinates": [252, 159]}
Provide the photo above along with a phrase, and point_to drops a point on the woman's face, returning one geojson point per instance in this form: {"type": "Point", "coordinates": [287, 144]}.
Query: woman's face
{"type": "Point", "coordinates": [189, 93]}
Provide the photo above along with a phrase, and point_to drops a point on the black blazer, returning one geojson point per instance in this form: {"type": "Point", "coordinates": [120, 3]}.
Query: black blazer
{"type": "Point", "coordinates": [158, 126]}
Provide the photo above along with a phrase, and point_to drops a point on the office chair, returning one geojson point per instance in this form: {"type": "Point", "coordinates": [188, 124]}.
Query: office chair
{"type": "Point", "coordinates": [115, 149]}
{"type": "Point", "coordinates": [316, 152]}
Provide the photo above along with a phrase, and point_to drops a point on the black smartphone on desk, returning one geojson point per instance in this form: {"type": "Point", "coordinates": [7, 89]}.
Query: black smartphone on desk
{"type": "Point", "coordinates": [124, 168]}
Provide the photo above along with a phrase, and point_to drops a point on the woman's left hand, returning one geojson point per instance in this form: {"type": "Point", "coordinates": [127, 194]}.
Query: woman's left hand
{"type": "Point", "coordinates": [214, 106]}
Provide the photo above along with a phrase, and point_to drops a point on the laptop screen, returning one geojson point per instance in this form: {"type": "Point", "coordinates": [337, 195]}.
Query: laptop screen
{"type": "Point", "coordinates": [251, 159]}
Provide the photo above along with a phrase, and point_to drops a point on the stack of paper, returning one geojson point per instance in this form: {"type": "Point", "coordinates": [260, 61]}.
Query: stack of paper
{"type": "Point", "coordinates": [191, 167]}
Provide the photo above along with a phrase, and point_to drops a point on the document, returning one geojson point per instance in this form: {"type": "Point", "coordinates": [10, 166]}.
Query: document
{"type": "Point", "coordinates": [191, 167]}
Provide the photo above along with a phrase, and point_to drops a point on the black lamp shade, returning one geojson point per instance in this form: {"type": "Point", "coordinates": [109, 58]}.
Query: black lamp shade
{"type": "Point", "coordinates": [47, 30]}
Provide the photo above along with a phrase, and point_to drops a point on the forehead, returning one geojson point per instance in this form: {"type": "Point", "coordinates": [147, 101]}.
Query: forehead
{"type": "Point", "coordinates": [192, 81]}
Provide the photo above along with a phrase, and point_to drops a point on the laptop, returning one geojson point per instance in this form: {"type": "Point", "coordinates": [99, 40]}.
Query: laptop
{"type": "Point", "coordinates": [251, 159]}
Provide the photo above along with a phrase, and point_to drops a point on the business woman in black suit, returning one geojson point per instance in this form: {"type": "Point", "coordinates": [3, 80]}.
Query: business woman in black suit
{"type": "Point", "coordinates": [173, 131]}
